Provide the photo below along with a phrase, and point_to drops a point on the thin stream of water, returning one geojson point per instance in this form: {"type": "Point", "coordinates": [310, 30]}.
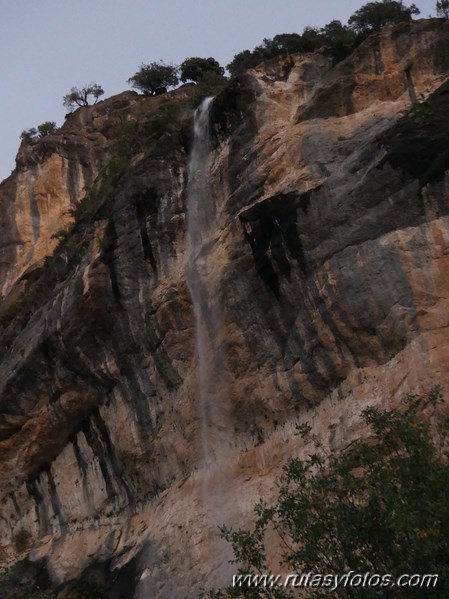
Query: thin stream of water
{"type": "Point", "coordinates": [200, 213]}
{"type": "Point", "coordinates": [203, 264]}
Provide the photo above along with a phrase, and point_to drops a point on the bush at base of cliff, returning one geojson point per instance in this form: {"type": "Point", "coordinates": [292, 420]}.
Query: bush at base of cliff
{"type": "Point", "coordinates": [380, 507]}
{"type": "Point", "coordinates": [16, 583]}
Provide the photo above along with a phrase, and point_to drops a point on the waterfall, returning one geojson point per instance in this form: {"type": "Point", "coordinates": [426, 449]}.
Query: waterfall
{"type": "Point", "coordinates": [198, 190]}
{"type": "Point", "coordinates": [200, 214]}
{"type": "Point", "coordinates": [203, 275]}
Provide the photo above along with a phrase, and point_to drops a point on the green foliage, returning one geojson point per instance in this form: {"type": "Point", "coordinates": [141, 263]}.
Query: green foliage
{"type": "Point", "coordinates": [46, 128]}
{"type": "Point", "coordinates": [339, 40]}
{"type": "Point", "coordinates": [442, 8]}
{"type": "Point", "coordinates": [421, 112]}
{"type": "Point", "coordinates": [375, 15]}
{"type": "Point", "coordinates": [247, 60]}
{"type": "Point", "coordinates": [242, 61]}
{"type": "Point", "coordinates": [210, 85]}
{"type": "Point", "coordinates": [98, 203]}
{"type": "Point", "coordinates": [28, 134]}
{"type": "Point", "coordinates": [42, 130]}
{"type": "Point", "coordinates": [380, 507]}
{"type": "Point", "coordinates": [126, 138]}
{"type": "Point", "coordinates": [131, 137]}
{"type": "Point", "coordinates": [135, 135]}
{"type": "Point", "coordinates": [154, 78]}
{"type": "Point", "coordinates": [163, 121]}
{"type": "Point", "coordinates": [194, 69]}
{"type": "Point", "coordinates": [335, 38]}
{"type": "Point", "coordinates": [16, 583]}
{"type": "Point", "coordinates": [81, 96]}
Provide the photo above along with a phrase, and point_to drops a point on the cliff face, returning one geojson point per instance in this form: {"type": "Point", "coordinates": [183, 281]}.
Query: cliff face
{"type": "Point", "coordinates": [51, 176]}
{"type": "Point", "coordinates": [322, 288]}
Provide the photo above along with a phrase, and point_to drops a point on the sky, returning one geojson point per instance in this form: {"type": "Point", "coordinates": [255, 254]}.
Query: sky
{"type": "Point", "coordinates": [49, 46]}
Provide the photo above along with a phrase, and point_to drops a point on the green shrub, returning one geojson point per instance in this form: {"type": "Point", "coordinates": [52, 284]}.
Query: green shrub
{"type": "Point", "coordinates": [210, 85]}
{"type": "Point", "coordinates": [336, 39]}
{"type": "Point", "coordinates": [28, 134]}
{"type": "Point", "coordinates": [164, 120]}
{"type": "Point", "coordinates": [379, 507]}
{"type": "Point", "coordinates": [442, 8]}
{"type": "Point", "coordinates": [46, 128]}
{"type": "Point", "coordinates": [421, 112]}
{"type": "Point", "coordinates": [375, 15]}
{"type": "Point", "coordinates": [195, 69]}
{"type": "Point", "coordinates": [17, 583]}
{"type": "Point", "coordinates": [154, 78]}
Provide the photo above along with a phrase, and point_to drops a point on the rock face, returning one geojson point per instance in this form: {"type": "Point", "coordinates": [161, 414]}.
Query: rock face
{"type": "Point", "coordinates": [326, 260]}
{"type": "Point", "coordinates": [51, 176]}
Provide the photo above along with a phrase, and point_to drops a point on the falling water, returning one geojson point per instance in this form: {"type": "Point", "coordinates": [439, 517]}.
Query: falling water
{"type": "Point", "coordinates": [199, 207]}
{"type": "Point", "coordinates": [200, 214]}
{"type": "Point", "coordinates": [203, 268]}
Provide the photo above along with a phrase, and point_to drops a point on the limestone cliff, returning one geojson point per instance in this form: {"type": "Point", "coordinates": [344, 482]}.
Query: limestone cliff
{"type": "Point", "coordinates": [326, 259]}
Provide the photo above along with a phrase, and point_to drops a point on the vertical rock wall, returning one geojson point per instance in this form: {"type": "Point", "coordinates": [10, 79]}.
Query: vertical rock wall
{"type": "Point", "coordinates": [328, 258]}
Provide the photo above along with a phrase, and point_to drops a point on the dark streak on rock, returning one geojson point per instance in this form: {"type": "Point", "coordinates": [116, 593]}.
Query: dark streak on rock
{"type": "Point", "coordinates": [111, 456]}
{"type": "Point", "coordinates": [141, 215]}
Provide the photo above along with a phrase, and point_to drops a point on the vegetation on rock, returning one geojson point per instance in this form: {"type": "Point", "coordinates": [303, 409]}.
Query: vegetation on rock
{"type": "Point", "coordinates": [194, 69]}
{"type": "Point", "coordinates": [81, 97]}
{"type": "Point", "coordinates": [380, 506]}
{"type": "Point", "coordinates": [375, 15]}
{"type": "Point", "coordinates": [28, 134]}
{"type": "Point", "coordinates": [442, 8]}
{"type": "Point", "coordinates": [22, 581]}
{"type": "Point", "coordinates": [42, 130]}
{"type": "Point", "coordinates": [335, 39]}
{"type": "Point", "coordinates": [46, 128]}
{"type": "Point", "coordinates": [154, 78]}
{"type": "Point", "coordinates": [17, 583]}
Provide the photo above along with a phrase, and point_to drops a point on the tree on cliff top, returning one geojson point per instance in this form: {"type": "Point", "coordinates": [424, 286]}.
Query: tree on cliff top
{"type": "Point", "coordinates": [42, 130]}
{"type": "Point", "coordinates": [380, 506]}
{"type": "Point", "coordinates": [284, 43]}
{"type": "Point", "coordinates": [443, 9]}
{"type": "Point", "coordinates": [46, 128]}
{"type": "Point", "coordinates": [154, 78]}
{"type": "Point", "coordinates": [336, 40]}
{"type": "Point", "coordinates": [80, 97]}
{"type": "Point", "coordinates": [196, 68]}
{"type": "Point", "coordinates": [375, 15]}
